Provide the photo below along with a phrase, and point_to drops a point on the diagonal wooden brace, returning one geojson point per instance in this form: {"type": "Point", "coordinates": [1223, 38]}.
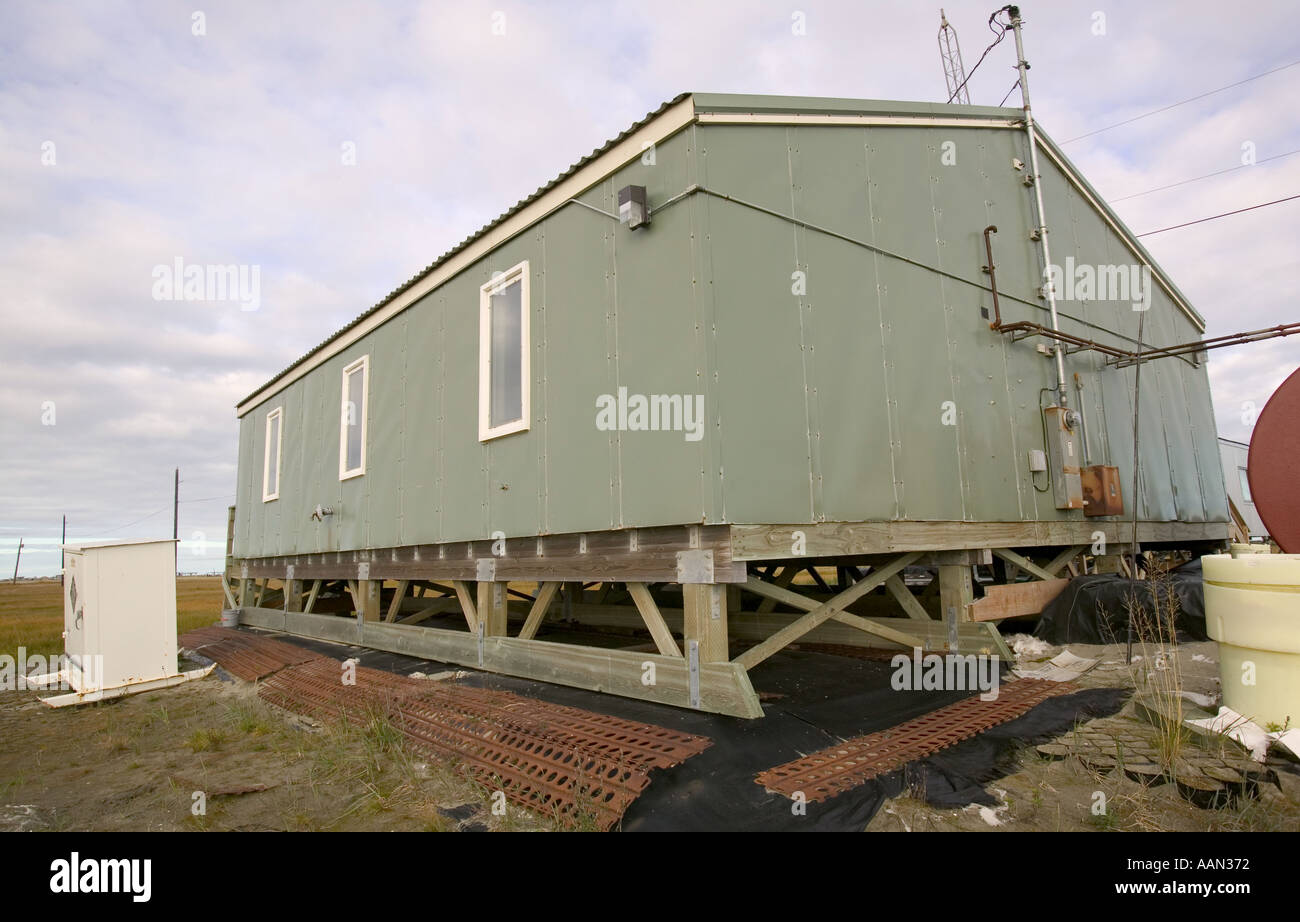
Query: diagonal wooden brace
{"type": "Point", "coordinates": [820, 613]}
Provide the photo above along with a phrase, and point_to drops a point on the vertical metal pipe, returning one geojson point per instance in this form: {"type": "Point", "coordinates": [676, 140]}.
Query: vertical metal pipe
{"type": "Point", "coordinates": [1023, 67]}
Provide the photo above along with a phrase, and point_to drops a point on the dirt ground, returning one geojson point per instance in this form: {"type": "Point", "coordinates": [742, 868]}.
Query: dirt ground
{"type": "Point", "coordinates": [151, 761]}
{"type": "Point", "coordinates": [1040, 794]}
{"type": "Point", "coordinates": [146, 762]}
{"type": "Point", "coordinates": [137, 763]}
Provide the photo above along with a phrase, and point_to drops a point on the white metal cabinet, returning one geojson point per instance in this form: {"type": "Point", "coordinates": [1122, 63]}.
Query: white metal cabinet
{"type": "Point", "coordinates": [119, 613]}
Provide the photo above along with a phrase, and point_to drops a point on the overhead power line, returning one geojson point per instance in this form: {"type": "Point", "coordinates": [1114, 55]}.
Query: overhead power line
{"type": "Point", "coordinates": [1184, 182]}
{"type": "Point", "coordinates": [1181, 102]}
{"type": "Point", "coordinates": [1215, 217]}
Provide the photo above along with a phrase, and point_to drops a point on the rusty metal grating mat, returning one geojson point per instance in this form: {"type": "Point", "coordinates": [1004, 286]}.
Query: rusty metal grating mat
{"type": "Point", "coordinates": [564, 762]}
{"type": "Point", "coordinates": [246, 656]}
{"type": "Point", "coordinates": [832, 771]}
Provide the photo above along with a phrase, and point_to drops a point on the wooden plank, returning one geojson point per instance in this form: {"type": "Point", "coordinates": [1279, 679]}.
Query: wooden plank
{"type": "Point", "coordinates": [841, 539]}
{"type": "Point", "coordinates": [466, 604]}
{"type": "Point", "coordinates": [1016, 600]}
{"type": "Point", "coordinates": [1023, 563]}
{"type": "Point", "coordinates": [886, 631]}
{"type": "Point", "coordinates": [311, 596]}
{"type": "Point", "coordinates": [396, 605]}
{"type": "Point", "coordinates": [438, 607]}
{"type": "Point", "coordinates": [898, 589]}
{"type": "Point", "coordinates": [787, 635]}
{"type": "Point", "coordinates": [724, 688]}
{"type": "Point", "coordinates": [602, 557]}
{"type": "Point", "coordinates": [974, 638]}
{"type": "Point", "coordinates": [545, 595]}
{"type": "Point", "coordinates": [784, 579]}
{"type": "Point", "coordinates": [645, 604]}
{"type": "Point", "coordinates": [1063, 558]}
{"type": "Point", "coordinates": [230, 598]}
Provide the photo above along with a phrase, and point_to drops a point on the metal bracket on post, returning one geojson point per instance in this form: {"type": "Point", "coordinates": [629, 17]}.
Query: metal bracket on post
{"type": "Point", "coordinates": [954, 641]}
{"type": "Point", "coordinates": [480, 643]}
{"type": "Point", "coordinates": [693, 671]}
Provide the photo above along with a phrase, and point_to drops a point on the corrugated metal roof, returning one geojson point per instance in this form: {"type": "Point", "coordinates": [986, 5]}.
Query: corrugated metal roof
{"type": "Point", "coordinates": [522, 203]}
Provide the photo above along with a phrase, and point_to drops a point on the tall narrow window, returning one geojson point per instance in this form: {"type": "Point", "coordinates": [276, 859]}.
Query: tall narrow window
{"type": "Point", "coordinates": [271, 459]}
{"type": "Point", "coordinates": [352, 419]}
{"type": "Point", "coordinates": [1245, 484]}
{"type": "Point", "coordinates": [503, 382]}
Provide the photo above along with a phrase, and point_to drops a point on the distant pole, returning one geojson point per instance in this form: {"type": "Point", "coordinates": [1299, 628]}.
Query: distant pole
{"type": "Point", "coordinates": [18, 558]}
{"type": "Point", "coordinates": [176, 518]}
{"type": "Point", "coordinates": [63, 555]}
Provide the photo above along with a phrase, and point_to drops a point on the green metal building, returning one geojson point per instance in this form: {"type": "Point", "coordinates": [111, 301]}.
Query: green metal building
{"type": "Point", "coordinates": [749, 332]}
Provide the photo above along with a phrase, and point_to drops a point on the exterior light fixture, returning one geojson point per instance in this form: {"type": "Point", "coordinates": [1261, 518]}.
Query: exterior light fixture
{"type": "Point", "coordinates": [632, 209]}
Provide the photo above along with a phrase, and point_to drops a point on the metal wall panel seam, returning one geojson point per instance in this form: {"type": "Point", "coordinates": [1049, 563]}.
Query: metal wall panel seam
{"type": "Point", "coordinates": [805, 345]}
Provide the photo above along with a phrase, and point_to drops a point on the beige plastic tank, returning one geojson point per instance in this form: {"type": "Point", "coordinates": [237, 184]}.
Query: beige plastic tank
{"type": "Point", "coordinates": [1252, 608]}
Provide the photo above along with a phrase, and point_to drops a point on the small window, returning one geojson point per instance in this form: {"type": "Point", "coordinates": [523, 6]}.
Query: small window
{"type": "Point", "coordinates": [271, 459]}
{"type": "Point", "coordinates": [503, 382]}
{"type": "Point", "coordinates": [1245, 485]}
{"type": "Point", "coordinates": [352, 419]}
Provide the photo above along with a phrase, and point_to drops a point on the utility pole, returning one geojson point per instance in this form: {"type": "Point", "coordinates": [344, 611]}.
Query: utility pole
{"type": "Point", "coordinates": [176, 519]}
{"type": "Point", "coordinates": [1040, 231]}
{"type": "Point", "coordinates": [18, 558]}
{"type": "Point", "coordinates": [63, 555]}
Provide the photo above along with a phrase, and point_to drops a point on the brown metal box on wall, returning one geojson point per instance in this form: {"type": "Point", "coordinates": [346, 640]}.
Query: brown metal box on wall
{"type": "Point", "coordinates": [1101, 492]}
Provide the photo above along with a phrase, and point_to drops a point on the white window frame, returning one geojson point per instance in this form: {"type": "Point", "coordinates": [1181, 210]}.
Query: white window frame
{"type": "Point", "coordinates": [1244, 482]}
{"type": "Point", "coordinates": [267, 495]}
{"type": "Point", "coordinates": [363, 364]}
{"type": "Point", "coordinates": [517, 273]}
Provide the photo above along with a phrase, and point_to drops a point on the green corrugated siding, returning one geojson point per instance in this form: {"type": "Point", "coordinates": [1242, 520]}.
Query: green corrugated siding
{"type": "Point", "coordinates": [823, 406]}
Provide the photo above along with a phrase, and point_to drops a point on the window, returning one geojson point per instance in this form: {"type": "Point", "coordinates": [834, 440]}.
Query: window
{"type": "Point", "coordinates": [352, 419]}
{"type": "Point", "coordinates": [503, 380]}
{"type": "Point", "coordinates": [1245, 485]}
{"type": "Point", "coordinates": [271, 458]}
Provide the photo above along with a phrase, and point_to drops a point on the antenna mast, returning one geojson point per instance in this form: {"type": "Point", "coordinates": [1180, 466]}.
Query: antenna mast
{"type": "Point", "coordinates": [954, 72]}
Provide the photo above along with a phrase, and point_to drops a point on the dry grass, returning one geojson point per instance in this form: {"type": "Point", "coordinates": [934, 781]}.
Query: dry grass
{"type": "Point", "coordinates": [31, 612]}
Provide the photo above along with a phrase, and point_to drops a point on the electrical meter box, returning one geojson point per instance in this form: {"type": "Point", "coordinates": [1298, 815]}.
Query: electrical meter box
{"type": "Point", "coordinates": [1064, 455]}
{"type": "Point", "coordinates": [119, 613]}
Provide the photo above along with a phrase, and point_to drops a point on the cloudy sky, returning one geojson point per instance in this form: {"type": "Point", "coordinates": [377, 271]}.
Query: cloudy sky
{"type": "Point", "coordinates": [128, 141]}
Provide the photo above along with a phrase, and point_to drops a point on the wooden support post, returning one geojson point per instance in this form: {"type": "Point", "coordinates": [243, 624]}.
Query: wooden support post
{"type": "Point", "coordinates": [293, 595]}
{"type": "Point", "coordinates": [956, 593]}
{"type": "Point", "coordinates": [366, 597]}
{"type": "Point", "coordinates": [705, 620]}
{"type": "Point", "coordinates": [225, 588]}
{"type": "Point", "coordinates": [492, 608]}
{"type": "Point", "coordinates": [1109, 563]}
{"type": "Point", "coordinates": [243, 592]}
{"type": "Point", "coordinates": [261, 591]}
{"type": "Point", "coordinates": [545, 595]}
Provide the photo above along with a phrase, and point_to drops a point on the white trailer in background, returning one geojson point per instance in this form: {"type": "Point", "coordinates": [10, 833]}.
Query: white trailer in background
{"type": "Point", "coordinates": [119, 621]}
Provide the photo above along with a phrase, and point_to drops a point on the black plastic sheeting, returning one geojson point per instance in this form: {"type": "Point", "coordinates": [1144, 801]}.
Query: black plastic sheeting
{"type": "Point", "coordinates": [1095, 608]}
{"type": "Point", "coordinates": [812, 701]}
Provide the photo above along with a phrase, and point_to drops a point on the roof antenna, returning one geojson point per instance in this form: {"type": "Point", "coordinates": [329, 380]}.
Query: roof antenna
{"type": "Point", "coordinates": [953, 70]}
